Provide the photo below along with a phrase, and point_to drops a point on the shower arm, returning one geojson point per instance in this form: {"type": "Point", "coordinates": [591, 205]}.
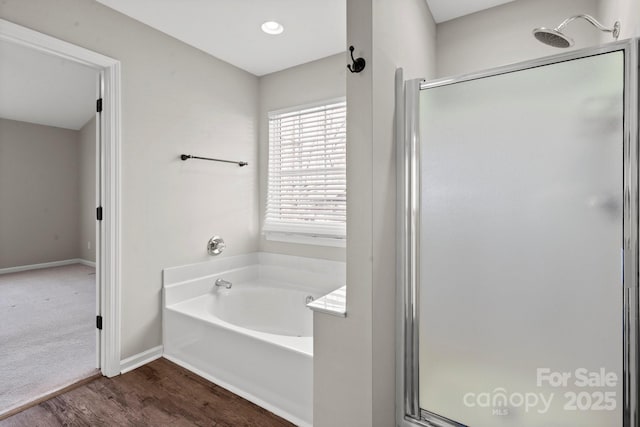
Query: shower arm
{"type": "Point", "coordinates": [615, 30]}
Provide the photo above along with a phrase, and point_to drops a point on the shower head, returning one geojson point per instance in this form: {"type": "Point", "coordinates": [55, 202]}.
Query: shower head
{"type": "Point", "coordinates": [556, 38]}
{"type": "Point", "coordinates": [553, 38]}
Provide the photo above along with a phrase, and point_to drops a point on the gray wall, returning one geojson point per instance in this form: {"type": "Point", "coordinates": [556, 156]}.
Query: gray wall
{"type": "Point", "coordinates": [502, 35]}
{"type": "Point", "coordinates": [354, 369]}
{"type": "Point", "coordinates": [87, 176]}
{"type": "Point", "coordinates": [175, 99]}
{"type": "Point", "coordinates": [404, 36]}
{"type": "Point", "coordinates": [625, 11]}
{"type": "Point", "coordinates": [342, 387]}
{"type": "Point", "coordinates": [39, 194]}
{"type": "Point", "coordinates": [315, 81]}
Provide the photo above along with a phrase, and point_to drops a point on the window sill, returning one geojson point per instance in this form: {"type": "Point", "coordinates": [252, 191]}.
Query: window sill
{"type": "Point", "coordinates": [305, 239]}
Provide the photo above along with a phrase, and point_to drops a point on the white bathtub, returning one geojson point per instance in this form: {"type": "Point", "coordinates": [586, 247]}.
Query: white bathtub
{"type": "Point", "coordinates": [254, 339]}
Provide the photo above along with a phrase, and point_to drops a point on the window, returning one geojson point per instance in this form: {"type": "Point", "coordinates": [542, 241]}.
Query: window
{"type": "Point", "coordinates": [307, 186]}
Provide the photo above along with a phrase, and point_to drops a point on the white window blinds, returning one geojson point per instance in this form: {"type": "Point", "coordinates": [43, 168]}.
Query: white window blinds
{"type": "Point", "coordinates": [307, 188]}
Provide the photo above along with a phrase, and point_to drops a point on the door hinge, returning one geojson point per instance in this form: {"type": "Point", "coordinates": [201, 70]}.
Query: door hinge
{"type": "Point", "coordinates": [99, 213]}
{"type": "Point", "coordinates": [99, 322]}
{"type": "Point", "coordinates": [99, 105]}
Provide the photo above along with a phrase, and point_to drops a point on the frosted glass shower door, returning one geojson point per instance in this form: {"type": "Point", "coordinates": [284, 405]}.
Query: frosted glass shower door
{"type": "Point", "coordinates": [521, 237]}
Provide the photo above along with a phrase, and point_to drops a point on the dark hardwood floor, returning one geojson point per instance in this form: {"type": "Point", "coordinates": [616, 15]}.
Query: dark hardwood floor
{"type": "Point", "coordinates": [158, 394]}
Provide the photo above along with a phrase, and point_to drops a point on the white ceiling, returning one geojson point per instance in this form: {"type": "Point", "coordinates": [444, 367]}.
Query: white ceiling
{"type": "Point", "coordinates": [39, 88]}
{"type": "Point", "coordinates": [230, 29]}
{"type": "Point", "coordinates": [444, 10]}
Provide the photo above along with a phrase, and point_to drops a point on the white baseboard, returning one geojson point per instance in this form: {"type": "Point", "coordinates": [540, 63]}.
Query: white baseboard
{"type": "Point", "coordinates": [43, 265]}
{"type": "Point", "coordinates": [137, 360]}
{"type": "Point", "coordinates": [87, 262]}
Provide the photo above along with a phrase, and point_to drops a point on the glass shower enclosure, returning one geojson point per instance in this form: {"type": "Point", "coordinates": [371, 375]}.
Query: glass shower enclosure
{"type": "Point", "coordinates": [518, 245]}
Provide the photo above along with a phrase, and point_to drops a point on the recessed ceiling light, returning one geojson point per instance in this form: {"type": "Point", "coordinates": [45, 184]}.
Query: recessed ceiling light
{"type": "Point", "coordinates": [272, 27]}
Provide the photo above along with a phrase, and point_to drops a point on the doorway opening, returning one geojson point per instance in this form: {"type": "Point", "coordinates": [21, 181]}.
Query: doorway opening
{"type": "Point", "coordinates": [60, 270]}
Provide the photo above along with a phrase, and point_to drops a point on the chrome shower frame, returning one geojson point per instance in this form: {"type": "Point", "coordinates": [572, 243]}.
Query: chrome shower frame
{"type": "Point", "coordinates": [408, 409]}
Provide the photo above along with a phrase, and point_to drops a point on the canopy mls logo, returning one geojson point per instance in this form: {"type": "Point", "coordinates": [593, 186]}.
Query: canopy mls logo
{"type": "Point", "coordinates": [501, 402]}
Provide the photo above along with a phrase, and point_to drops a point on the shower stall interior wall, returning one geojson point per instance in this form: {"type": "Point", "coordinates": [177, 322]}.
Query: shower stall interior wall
{"type": "Point", "coordinates": [518, 251]}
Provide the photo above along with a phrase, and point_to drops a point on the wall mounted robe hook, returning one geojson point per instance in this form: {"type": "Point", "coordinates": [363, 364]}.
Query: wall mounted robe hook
{"type": "Point", "coordinates": [358, 64]}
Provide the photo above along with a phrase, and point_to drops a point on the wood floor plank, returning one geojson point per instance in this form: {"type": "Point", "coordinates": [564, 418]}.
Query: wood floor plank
{"type": "Point", "coordinates": [51, 395]}
{"type": "Point", "coordinates": [158, 394]}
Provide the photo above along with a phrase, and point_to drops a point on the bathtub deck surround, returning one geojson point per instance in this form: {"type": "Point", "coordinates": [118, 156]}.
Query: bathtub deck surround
{"type": "Point", "coordinates": [334, 303]}
{"type": "Point", "coordinates": [255, 338]}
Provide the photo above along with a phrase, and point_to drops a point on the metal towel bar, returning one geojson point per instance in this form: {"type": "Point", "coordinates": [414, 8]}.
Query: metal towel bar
{"type": "Point", "coordinates": [189, 156]}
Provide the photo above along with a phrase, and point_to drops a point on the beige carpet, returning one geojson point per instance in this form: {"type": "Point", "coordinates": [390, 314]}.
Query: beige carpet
{"type": "Point", "coordinates": [47, 331]}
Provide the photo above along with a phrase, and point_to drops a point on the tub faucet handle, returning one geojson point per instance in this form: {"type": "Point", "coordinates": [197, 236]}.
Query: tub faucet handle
{"type": "Point", "coordinates": [225, 283]}
{"type": "Point", "coordinates": [216, 245]}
